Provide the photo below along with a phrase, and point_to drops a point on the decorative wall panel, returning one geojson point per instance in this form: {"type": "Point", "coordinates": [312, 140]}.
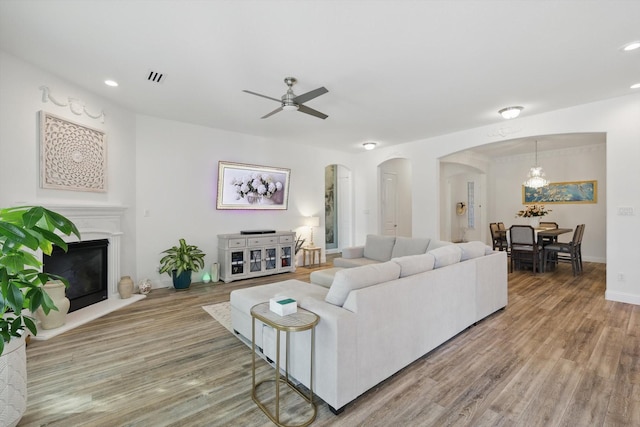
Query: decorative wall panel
{"type": "Point", "coordinates": [72, 156]}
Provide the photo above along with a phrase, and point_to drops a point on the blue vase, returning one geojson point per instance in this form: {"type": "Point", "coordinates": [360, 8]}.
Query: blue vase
{"type": "Point", "coordinates": [183, 280]}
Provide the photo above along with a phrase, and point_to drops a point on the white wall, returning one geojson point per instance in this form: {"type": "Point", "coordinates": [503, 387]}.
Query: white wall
{"type": "Point", "coordinates": [164, 172]}
{"type": "Point", "coordinates": [20, 101]}
{"type": "Point", "coordinates": [574, 164]}
{"type": "Point", "coordinates": [153, 162]}
{"type": "Point", "coordinates": [176, 177]}
{"type": "Point", "coordinates": [619, 118]}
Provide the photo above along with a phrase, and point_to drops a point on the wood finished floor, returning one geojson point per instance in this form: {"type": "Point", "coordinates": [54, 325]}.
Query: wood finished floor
{"type": "Point", "coordinates": [558, 355]}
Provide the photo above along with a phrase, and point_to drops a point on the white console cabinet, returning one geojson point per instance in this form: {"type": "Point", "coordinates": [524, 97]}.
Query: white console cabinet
{"type": "Point", "coordinates": [242, 256]}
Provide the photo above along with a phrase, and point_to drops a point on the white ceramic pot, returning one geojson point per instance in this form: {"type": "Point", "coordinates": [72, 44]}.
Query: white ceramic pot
{"type": "Point", "coordinates": [13, 382]}
{"type": "Point", "coordinates": [125, 287]}
{"type": "Point", "coordinates": [534, 221]}
{"type": "Point", "coordinates": [56, 318]}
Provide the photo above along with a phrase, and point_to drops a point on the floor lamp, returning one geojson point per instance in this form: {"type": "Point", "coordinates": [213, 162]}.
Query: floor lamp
{"type": "Point", "coordinates": [312, 221]}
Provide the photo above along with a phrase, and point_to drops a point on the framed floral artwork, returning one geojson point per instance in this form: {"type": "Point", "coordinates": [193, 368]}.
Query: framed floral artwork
{"type": "Point", "coordinates": [242, 186]}
{"type": "Point", "coordinates": [562, 192]}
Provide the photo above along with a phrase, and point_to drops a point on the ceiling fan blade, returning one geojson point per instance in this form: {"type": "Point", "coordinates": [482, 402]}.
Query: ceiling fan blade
{"type": "Point", "coordinates": [300, 99]}
{"type": "Point", "coordinates": [264, 96]}
{"type": "Point", "coordinates": [277, 110]}
{"type": "Point", "coordinates": [305, 109]}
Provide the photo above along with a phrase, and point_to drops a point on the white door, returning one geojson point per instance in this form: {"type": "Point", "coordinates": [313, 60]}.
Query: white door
{"type": "Point", "coordinates": [389, 204]}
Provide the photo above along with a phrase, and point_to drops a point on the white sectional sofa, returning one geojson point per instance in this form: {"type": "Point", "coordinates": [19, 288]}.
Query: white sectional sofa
{"type": "Point", "coordinates": [376, 319]}
{"type": "Point", "coordinates": [382, 248]}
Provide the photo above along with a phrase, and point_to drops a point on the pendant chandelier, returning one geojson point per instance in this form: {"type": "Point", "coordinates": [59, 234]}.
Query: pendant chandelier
{"type": "Point", "coordinates": [536, 177]}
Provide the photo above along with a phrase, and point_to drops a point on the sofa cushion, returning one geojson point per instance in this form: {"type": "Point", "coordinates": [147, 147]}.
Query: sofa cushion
{"type": "Point", "coordinates": [472, 250]}
{"type": "Point", "coordinates": [379, 247]}
{"type": "Point", "coordinates": [352, 262]}
{"type": "Point", "coordinates": [409, 246]}
{"type": "Point", "coordinates": [435, 244]}
{"type": "Point", "coordinates": [446, 255]}
{"type": "Point", "coordinates": [414, 264]}
{"type": "Point", "coordinates": [349, 279]}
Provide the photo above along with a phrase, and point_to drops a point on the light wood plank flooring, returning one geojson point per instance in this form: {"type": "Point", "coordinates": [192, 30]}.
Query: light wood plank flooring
{"type": "Point", "coordinates": [558, 355]}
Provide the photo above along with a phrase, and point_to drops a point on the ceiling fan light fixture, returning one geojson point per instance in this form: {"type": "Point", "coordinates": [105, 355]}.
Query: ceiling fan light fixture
{"type": "Point", "coordinates": [510, 112]}
{"type": "Point", "coordinates": [290, 107]}
{"type": "Point", "coordinates": [369, 145]}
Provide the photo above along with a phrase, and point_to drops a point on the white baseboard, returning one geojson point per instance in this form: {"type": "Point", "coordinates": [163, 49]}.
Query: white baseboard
{"type": "Point", "coordinates": [622, 297]}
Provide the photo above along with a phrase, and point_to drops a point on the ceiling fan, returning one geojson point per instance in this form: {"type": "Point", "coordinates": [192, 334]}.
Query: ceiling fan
{"type": "Point", "coordinates": [291, 102]}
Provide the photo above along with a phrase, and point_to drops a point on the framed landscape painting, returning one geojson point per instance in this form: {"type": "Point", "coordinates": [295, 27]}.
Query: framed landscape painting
{"type": "Point", "coordinates": [242, 186]}
{"type": "Point", "coordinates": [562, 192]}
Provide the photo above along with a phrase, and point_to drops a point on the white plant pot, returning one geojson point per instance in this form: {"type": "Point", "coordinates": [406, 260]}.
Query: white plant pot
{"type": "Point", "coordinates": [13, 382]}
{"type": "Point", "coordinates": [56, 318]}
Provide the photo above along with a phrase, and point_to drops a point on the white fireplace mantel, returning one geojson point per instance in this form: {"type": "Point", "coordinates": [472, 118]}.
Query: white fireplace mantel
{"type": "Point", "coordinates": [95, 221]}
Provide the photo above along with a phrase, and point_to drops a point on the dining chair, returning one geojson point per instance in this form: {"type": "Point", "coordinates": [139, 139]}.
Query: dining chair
{"type": "Point", "coordinates": [498, 237]}
{"type": "Point", "coordinates": [546, 224]}
{"type": "Point", "coordinates": [569, 252]}
{"type": "Point", "coordinates": [525, 250]}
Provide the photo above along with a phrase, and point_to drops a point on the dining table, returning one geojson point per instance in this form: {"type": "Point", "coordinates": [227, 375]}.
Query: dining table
{"type": "Point", "coordinates": [553, 233]}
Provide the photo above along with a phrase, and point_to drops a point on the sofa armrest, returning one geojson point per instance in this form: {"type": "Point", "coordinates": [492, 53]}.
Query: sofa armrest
{"type": "Point", "coordinates": [336, 353]}
{"type": "Point", "coordinates": [353, 252]}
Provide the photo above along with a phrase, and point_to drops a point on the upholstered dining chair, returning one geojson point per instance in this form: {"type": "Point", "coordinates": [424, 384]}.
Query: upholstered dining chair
{"type": "Point", "coordinates": [550, 239]}
{"type": "Point", "coordinates": [566, 252]}
{"type": "Point", "coordinates": [524, 248]}
{"type": "Point", "coordinates": [499, 237]}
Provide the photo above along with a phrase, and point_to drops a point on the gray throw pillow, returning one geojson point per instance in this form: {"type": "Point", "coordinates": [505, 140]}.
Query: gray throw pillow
{"type": "Point", "coordinates": [446, 255]}
{"type": "Point", "coordinates": [472, 250]}
{"type": "Point", "coordinates": [409, 246]}
{"type": "Point", "coordinates": [379, 247]}
{"type": "Point", "coordinates": [349, 279]}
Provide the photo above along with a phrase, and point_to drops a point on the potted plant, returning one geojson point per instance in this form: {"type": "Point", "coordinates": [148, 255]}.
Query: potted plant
{"type": "Point", "coordinates": [180, 261]}
{"type": "Point", "coordinates": [23, 230]}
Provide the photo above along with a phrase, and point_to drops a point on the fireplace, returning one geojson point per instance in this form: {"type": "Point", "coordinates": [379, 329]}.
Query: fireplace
{"type": "Point", "coordinates": [95, 222]}
{"type": "Point", "coordinates": [85, 266]}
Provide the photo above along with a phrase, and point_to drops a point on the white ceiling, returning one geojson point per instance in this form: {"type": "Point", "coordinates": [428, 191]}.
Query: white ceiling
{"type": "Point", "coordinates": [396, 71]}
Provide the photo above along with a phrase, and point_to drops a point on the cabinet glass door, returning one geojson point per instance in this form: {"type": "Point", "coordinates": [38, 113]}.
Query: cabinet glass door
{"type": "Point", "coordinates": [255, 260]}
{"type": "Point", "coordinates": [285, 256]}
{"type": "Point", "coordinates": [270, 259]}
{"type": "Point", "coordinates": [237, 262]}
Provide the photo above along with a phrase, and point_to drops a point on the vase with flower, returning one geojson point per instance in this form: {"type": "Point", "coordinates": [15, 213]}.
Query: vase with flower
{"type": "Point", "coordinates": [533, 213]}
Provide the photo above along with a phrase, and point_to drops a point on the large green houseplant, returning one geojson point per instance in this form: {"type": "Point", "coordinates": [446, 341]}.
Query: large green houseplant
{"type": "Point", "coordinates": [23, 230]}
{"type": "Point", "coordinates": [180, 261]}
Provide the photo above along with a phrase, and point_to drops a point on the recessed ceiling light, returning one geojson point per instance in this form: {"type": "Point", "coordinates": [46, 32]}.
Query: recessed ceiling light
{"type": "Point", "coordinates": [635, 86]}
{"type": "Point", "coordinates": [369, 145]}
{"type": "Point", "coordinates": [510, 112]}
{"type": "Point", "coordinates": [631, 46]}
{"type": "Point", "coordinates": [111, 83]}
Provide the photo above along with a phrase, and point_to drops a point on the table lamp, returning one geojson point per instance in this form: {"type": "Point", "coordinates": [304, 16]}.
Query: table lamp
{"type": "Point", "coordinates": [312, 221]}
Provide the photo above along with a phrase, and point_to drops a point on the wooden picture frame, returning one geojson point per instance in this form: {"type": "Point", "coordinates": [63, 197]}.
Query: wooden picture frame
{"type": "Point", "coordinates": [562, 192]}
{"type": "Point", "coordinates": [244, 186]}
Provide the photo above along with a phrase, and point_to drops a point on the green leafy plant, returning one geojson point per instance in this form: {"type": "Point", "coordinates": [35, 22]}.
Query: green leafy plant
{"type": "Point", "coordinates": [299, 242]}
{"type": "Point", "coordinates": [181, 258]}
{"type": "Point", "coordinates": [23, 230]}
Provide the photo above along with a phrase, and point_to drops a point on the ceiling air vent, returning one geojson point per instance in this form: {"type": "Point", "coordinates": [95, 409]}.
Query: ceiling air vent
{"type": "Point", "coordinates": [154, 76]}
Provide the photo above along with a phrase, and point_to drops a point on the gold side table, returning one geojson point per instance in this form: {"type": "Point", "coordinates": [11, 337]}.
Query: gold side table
{"type": "Point", "coordinates": [310, 253]}
{"type": "Point", "coordinates": [302, 320]}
